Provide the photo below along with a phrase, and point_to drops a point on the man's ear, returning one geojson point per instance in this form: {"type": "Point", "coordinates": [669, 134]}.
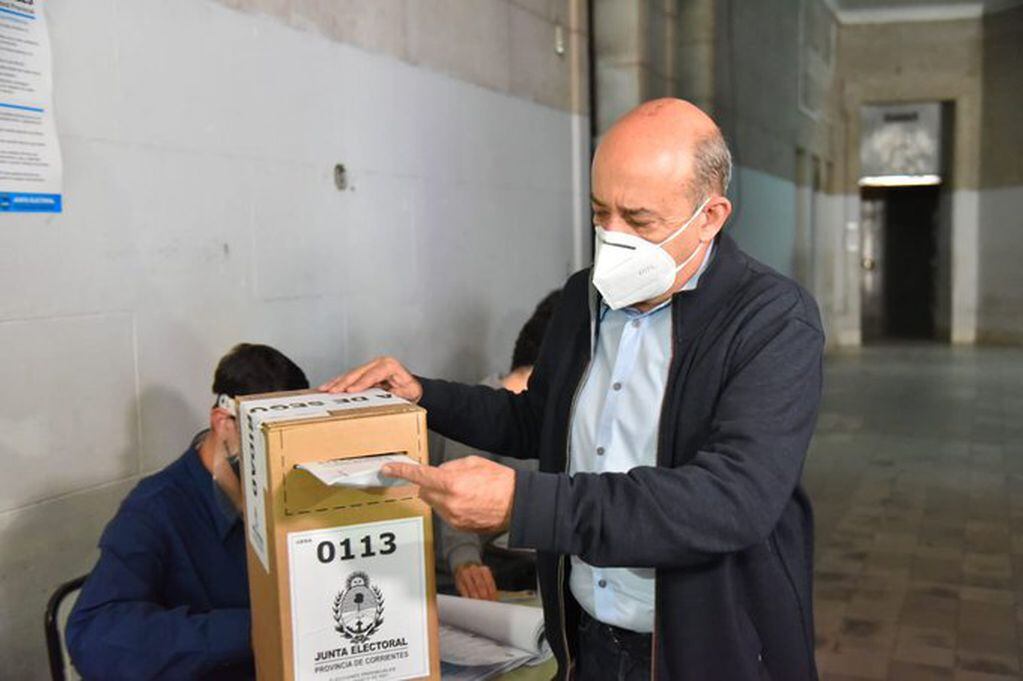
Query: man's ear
{"type": "Point", "coordinates": [717, 210]}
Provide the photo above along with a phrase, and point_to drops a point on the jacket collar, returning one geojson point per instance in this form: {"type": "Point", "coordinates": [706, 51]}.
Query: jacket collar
{"type": "Point", "coordinates": [693, 309]}
{"type": "Point", "coordinates": [224, 516]}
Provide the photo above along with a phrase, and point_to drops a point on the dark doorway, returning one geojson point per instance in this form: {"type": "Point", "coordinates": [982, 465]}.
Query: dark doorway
{"type": "Point", "coordinates": [910, 261]}
{"type": "Point", "coordinates": [905, 287]}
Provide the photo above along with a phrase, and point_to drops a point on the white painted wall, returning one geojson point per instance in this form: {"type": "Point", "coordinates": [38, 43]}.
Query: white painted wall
{"type": "Point", "coordinates": [965, 265]}
{"type": "Point", "coordinates": [830, 261]}
{"type": "Point", "coordinates": [198, 146]}
{"type": "Point", "coordinates": [764, 222]}
{"type": "Point", "coordinates": [1000, 274]}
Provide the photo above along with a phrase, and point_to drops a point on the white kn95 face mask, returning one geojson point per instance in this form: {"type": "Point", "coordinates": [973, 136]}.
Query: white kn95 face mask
{"type": "Point", "coordinates": [628, 269]}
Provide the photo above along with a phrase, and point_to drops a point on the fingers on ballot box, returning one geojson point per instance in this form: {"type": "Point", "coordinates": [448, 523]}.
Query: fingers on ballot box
{"type": "Point", "coordinates": [340, 563]}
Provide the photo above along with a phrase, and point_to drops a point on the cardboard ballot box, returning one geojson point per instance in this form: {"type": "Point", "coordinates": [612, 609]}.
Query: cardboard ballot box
{"type": "Point", "coordinates": [341, 578]}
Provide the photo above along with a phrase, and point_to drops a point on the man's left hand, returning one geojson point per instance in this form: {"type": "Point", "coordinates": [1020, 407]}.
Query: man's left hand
{"type": "Point", "coordinates": [472, 493]}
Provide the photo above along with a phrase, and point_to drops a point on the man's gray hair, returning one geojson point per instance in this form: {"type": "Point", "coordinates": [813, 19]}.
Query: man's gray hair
{"type": "Point", "coordinates": [712, 166]}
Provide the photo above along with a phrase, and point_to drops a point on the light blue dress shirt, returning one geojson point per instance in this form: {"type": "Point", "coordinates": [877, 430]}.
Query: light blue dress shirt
{"type": "Point", "coordinates": [614, 429]}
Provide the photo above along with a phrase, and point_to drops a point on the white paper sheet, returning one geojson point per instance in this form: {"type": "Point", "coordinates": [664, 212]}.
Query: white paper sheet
{"type": "Point", "coordinates": [360, 472]}
{"type": "Point", "coordinates": [475, 633]}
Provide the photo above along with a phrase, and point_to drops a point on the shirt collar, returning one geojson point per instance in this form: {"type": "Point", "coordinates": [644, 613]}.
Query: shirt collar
{"type": "Point", "coordinates": [225, 516]}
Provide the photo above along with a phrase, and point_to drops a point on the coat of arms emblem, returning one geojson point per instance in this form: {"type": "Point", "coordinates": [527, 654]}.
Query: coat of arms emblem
{"type": "Point", "coordinates": [359, 608]}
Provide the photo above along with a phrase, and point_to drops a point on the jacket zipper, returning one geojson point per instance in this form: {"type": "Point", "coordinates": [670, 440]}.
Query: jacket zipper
{"type": "Point", "coordinates": [664, 408]}
{"type": "Point", "coordinates": [561, 560]}
{"type": "Point", "coordinates": [564, 625]}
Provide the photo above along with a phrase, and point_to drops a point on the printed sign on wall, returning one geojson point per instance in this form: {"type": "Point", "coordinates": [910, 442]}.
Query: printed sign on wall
{"type": "Point", "coordinates": [358, 602]}
{"type": "Point", "coordinates": [30, 163]}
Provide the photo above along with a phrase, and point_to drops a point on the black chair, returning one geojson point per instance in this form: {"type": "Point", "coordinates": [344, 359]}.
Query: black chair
{"type": "Point", "coordinates": [54, 640]}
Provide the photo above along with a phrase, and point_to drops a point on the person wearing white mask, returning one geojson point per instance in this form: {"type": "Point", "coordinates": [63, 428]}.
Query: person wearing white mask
{"type": "Point", "coordinates": [670, 408]}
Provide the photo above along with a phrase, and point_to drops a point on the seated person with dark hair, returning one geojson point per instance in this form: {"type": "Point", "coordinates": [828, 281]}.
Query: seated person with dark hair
{"type": "Point", "coordinates": [478, 567]}
{"type": "Point", "coordinates": [169, 596]}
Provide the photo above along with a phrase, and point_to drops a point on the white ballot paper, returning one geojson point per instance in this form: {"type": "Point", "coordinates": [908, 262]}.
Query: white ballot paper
{"type": "Point", "coordinates": [479, 639]}
{"type": "Point", "coordinates": [361, 472]}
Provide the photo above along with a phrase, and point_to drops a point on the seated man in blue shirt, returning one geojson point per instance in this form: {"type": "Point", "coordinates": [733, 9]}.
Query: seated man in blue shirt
{"type": "Point", "coordinates": [169, 596]}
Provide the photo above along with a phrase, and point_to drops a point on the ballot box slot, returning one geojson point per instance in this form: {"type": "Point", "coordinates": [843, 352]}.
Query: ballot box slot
{"type": "Point", "coordinates": [357, 472]}
{"type": "Point", "coordinates": [350, 458]}
{"type": "Point", "coordinates": [321, 486]}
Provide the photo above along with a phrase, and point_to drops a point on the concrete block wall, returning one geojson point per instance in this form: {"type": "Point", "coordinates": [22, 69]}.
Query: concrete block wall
{"type": "Point", "coordinates": [635, 44]}
{"type": "Point", "coordinates": [972, 65]}
{"type": "Point", "coordinates": [781, 217]}
{"type": "Point", "coordinates": [741, 62]}
{"type": "Point", "coordinates": [786, 80]}
{"type": "Point", "coordinates": [504, 45]}
{"type": "Point", "coordinates": [694, 69]}
{"type": "Point", "coordinates": [1000, 294]}
{"type": "Point", "coordinates": [912, 62]}
{"type": "Point", "coordinates": [199, 143]}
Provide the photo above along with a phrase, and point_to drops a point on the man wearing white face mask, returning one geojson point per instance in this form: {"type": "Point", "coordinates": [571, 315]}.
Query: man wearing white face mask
{"type": "Point", "coordinates": [670, 408]}
{"type": "Point", "coordinates": [628, 269]}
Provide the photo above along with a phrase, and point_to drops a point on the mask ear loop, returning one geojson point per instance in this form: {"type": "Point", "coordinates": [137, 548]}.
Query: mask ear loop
{"type": "Point", "coordinates": [688, 260]}
{"type": "Point", "coordinates": [227, 404]}
{"type": "Point", "coordinates": [688, 222]}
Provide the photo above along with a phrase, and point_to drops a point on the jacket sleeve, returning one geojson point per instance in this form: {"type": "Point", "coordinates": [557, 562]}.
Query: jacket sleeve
{"type": "Point", "coordinates": [728, 497]}
{"type": "Point", "coordinates": [488, 419]}
{"type": "Point", "coordinates": [118, 628]}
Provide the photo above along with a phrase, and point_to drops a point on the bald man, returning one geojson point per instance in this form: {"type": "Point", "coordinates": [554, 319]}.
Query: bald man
{"type": "Point", "coordinates": [671, 408]}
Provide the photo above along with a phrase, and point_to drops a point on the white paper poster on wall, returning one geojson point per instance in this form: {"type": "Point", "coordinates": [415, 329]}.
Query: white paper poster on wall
{"type": "Point", "coordinates": [30, 163]}
{"type": "Point", "coordinates": [358, 602]}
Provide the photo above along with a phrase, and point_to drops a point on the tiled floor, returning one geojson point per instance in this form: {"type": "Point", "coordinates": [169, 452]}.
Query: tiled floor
{"type": "Point", "coordinates": [916, 474]}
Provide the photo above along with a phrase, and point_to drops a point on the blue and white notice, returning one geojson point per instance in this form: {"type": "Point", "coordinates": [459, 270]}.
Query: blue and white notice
{"type": "Point", "coordinates": [30, 163]}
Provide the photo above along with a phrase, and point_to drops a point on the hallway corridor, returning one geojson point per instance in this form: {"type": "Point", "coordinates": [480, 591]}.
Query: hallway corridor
{"type": "Point", "coordinates": [916, 474]}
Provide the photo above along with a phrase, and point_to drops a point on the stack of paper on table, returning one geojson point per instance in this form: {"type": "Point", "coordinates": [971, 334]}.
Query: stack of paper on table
{"type": "Point", "coordinates": [481, 639]}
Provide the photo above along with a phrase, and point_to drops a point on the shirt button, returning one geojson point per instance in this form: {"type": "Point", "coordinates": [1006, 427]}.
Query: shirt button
{"type": "Point", "coordinates": [600, 451]}
{"type": "Point", "coordinates": [602, 583]}
{"type": "Point", "coordinates": [617, 386]}
{"type": "Point", "coordinates": [636, 322]}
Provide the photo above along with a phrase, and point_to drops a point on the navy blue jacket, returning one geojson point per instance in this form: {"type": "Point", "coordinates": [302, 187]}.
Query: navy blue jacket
{"type": "Point", "coordinates": [169, 596]}
{"type": "Point", "coordinates": [721, 517]}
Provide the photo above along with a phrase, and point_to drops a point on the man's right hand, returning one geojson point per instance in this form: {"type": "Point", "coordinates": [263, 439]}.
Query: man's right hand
{"type": "Point", "coordinates": [475, 581]}
{"type": "Point", "coordinates": [383, 372]}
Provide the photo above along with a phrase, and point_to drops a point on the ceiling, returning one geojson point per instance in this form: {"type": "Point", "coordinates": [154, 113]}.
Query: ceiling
{"type": "Point", "coordinates": [910, 10]}
{"type": "Point", "coordinates": [890, 4]}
